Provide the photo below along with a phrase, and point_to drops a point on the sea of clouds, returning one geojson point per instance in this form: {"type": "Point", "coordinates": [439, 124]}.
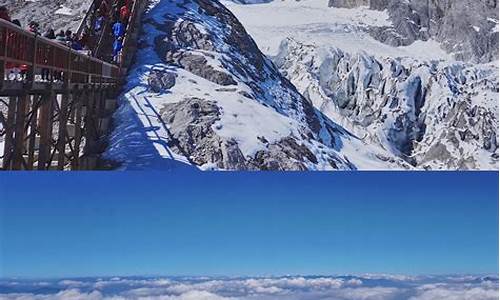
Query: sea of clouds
{"type": "Point", "coordinates": [366, 287]}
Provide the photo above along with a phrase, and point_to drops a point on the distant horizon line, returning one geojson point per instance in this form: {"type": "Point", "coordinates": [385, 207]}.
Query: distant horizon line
{"type": "Point", "coordinates": [384, 275]}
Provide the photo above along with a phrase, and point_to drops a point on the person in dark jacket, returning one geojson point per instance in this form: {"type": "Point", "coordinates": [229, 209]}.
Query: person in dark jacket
{"type": "Point", "coordinates": [50, 34]}
{"type": "Point", "coordinates": [69, 35]}
{"type": "Point", "coordinates": [34, 27]}
{"type": "Point", "coordinates": [99, 23]}
{"type": "Point", "coordinates": [4, 13]}
{"type": "Point", "coordinates": [61, 37]}
{"type": "Point", "coordinates": [75, 43]}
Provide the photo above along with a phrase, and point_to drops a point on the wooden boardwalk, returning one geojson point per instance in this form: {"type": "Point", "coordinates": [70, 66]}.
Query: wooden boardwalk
{"type": "Point", "coordinates": [55, 123]}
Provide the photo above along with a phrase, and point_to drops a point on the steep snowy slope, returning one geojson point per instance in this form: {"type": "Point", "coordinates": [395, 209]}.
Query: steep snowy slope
{"type": "Point", "coordinates": [202, 92]}
{"type": "Point", "coordinates": [415, 101]}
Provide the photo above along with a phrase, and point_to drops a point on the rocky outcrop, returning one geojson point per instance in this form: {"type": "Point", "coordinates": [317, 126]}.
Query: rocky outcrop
{"type": "Point", "coordinates": [435, 115]}
{"type": "Point", "coordinates": [48, 13]}
{"type": "Point", "coordinates": [192, 122]}
{"type": "Point", "coordinates": [466, 28]}
{"type": "Point", "coordinates": [160, 80]}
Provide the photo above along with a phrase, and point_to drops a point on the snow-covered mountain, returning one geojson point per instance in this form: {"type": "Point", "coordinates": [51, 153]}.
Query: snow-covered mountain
{"type": "Point", "coordinates": [201, 89]}
{"type": "Point", "coordinates": [414, 100]}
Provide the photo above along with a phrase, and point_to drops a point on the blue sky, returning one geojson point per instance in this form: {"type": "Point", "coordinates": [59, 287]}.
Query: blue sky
{"type": "Point", "coordinates": [135, 223]}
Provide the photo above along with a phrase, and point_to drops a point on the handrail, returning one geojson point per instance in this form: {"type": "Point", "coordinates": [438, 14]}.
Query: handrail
{"type": "Point", "coordinates": [15, 45]}
{"type": "Point", "coordinates": [40, 55]}
{"type": "Point", "coordinates": [83, 23]}
{"type": "Point", "coordinates": [59, 87]}
{"type": "Point", "coordinates": [105, 26]}
{"type": "Point", "coordinates": [130, 25]}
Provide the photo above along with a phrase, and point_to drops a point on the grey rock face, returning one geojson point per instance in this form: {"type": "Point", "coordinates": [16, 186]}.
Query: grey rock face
{"type": "Point", "coordinates": [44, 12]}
{"type": "Point", "coordinates": [348, 3]}
{"type": "Point", "coordinates": [434, 115]}
{"type": "Point", "coordinates": [198, 64]}
{"type": "Point", "coordinates": [466, 28]}
{"type": "Point", "coordinates": [160, 80]}
{"type": "Point", "coordinates": [191, 122]}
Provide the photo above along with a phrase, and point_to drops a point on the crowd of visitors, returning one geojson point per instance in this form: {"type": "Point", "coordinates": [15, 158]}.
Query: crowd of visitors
{"type": "Point", "coordinates": [117, 13]}
{"type": "Point", "coordinates": [112, 13]}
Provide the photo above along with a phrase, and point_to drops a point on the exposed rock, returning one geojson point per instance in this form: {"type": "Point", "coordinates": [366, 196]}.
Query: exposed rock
{"type": "Point", "coordinates": [191, 122]}
{"type": "Point", "coordinates": [47, 12]}
{"type": "Point", "coordinates": [160, 80]}
{"type": "Point", "coordinates": [198, 65]}
{"type": "Point", "coordinates": [466, 28]}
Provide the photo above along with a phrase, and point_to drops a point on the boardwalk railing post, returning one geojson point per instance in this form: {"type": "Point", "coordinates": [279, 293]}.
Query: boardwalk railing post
{"type": "Point", "coordinates": [3, 54]}
{"type": "Point", "coordinates": [79, 98]}
{"type": "Point", "coordinates": [61, 140]}
{"type": "Point", "coordinates": [9, 135]}
{"type": "Point", "coordinates": [45, 130]}
{"type": "Point", "coordinates": [30, 77]}
{"type": "Point", "coordinates": [19, 138]}
{"type": "Point", "coordinates": [33, 125]}
{"type": "Point", "coordinates": [90, 128]}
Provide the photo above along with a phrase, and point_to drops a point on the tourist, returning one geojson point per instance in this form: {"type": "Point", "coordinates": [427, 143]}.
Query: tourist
{"type": "Point", "coordinates": [4, 13]}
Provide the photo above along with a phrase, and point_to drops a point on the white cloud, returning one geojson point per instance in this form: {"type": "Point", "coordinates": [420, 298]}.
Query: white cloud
{"type": "Point", "coordinates": [439, 293]}
{"type": "Point", "coordinates": [72, 283]}
{"type": "Point", "coordinates": [71, 294]}
{"type": "Point", "coordinates": [272, 288]}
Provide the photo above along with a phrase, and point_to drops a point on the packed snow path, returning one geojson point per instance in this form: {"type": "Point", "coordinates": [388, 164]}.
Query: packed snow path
{"type": "Point", "coordinates": [143, 141]}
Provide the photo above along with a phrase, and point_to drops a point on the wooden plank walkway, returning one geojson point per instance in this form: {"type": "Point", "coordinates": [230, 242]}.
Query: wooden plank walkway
{"type": "Point", "coordinates": [55, 123]}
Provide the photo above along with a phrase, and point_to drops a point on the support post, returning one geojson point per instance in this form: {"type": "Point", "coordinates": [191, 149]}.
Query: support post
{"type": "Point", "coordinates": [75, 164]}
{"type": "Point", "coordinates": [9, 135]}
{"type": "Point", "coordinates": [63, 120]}
{"type": "Point", "coordinates": [33, 130]}
{"type": "Point", "coordinates": [19, 144]}
{"type": "Point", "coordinates": [45, 130]}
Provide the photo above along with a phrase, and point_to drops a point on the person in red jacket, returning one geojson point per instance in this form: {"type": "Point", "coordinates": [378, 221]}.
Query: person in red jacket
{"type": "Point", "coordinates": [4, 13]}
{"type": "Point", "coordinates": [124, 13]}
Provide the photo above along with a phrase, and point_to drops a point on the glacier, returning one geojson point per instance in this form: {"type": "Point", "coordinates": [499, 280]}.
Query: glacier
{"type": "Point", "coordinates": [417, 101]}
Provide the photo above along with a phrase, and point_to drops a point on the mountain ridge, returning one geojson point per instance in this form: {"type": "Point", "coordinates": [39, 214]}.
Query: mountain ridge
{"type": "Point", "coordinates": [226, 105]}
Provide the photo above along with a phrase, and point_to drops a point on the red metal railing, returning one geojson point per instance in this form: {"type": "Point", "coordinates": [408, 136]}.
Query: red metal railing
{"type": "Point", "coordinates": [34, 54]}
{"type": "Point", "coordinates": [127, 41]}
